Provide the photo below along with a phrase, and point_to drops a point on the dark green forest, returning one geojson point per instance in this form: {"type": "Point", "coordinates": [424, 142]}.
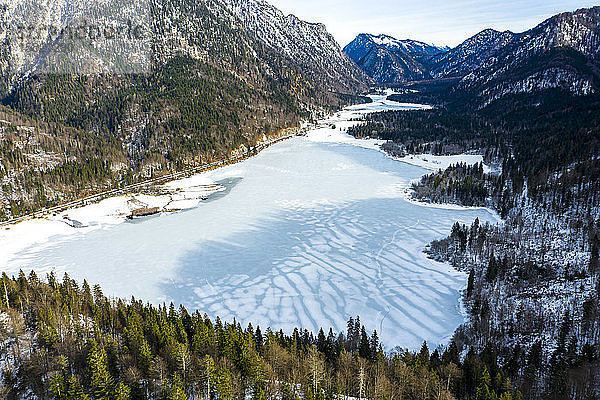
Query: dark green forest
{"type": "Point", "coordinates": [63, 341]}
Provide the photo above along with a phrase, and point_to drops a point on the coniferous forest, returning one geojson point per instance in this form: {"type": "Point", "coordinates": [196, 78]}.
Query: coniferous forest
{"type": "Point", "coordinates": [63, 341]}
{"type": "Point", "coordinates": [534, 281]}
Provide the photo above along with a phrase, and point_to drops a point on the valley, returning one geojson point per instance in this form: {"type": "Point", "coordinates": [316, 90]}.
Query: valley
{"type": "Point", "coordinates": [214, 200]}
{"type": "Point", "coordinates": [332, 250]}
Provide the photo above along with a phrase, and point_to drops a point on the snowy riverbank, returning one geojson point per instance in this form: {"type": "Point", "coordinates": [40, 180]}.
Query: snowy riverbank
{"type": "Point", "coordinates": [179, 195]}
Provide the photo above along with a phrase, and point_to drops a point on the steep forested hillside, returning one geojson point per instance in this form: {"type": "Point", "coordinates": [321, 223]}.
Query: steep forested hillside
{"type": "Point", "coordinates": [200, 82]}
{"type": "Point", "coordinates": [534, 280]}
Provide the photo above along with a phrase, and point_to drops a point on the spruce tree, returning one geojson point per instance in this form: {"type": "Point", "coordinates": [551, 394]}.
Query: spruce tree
{"type": "Point", "coordinates": [122, 392]}
{"type": "Point", "coordinates": [101, 381]}
{"type": "Point", "coordinates": [471, 283]}
{"type": "Point", "coordinates": [423, 356]}
{"type": "Point", "coordinates": [173, 389]}
{"type": "Point", "coordinates": [75, 390]}
{"type": "Point", "coordinates": [364, 349]}
{"type": "Point", "coordinates": [594, 264]}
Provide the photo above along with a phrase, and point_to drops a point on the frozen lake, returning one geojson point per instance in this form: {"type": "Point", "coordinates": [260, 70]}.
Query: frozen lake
{"type": "Point", "coordinates": [307, 234]}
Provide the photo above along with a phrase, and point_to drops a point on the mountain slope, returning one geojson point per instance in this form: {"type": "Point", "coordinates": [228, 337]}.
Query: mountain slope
{"type": "Point", "coordinates": [560, 57]}
{"type": "Point", "coordinates": [308, 45]}
{"type": "Point", "coordinates": [198, 81]}
{"type": "Point", "coordinates": [470, 54]}
{"type": "Point", "coordinates": [389, 60]}
{"type": "Point", "coordinates": [561, 53]}
{"type": "Point", "coordinates": [387, 66]}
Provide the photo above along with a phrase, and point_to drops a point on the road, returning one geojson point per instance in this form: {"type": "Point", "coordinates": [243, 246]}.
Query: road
{"type": "Point", "coordinates": [154, 181]}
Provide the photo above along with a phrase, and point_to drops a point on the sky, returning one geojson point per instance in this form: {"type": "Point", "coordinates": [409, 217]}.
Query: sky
{"type": "Point", "coordinates": [438, 22]}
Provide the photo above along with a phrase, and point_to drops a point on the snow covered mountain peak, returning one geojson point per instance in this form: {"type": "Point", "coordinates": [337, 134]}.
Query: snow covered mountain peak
{"type": "Point", "coordinates": [389, 60]}
{"type": "Point", "coordinates": [410, 46]}
{"type": "Point", "coordinates": [364, 42]}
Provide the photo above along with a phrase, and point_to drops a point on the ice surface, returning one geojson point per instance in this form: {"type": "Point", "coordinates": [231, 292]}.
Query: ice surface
{"type": "Point", "coordinates": [306, 234]}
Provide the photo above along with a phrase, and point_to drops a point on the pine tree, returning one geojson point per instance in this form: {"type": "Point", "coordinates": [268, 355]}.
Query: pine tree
{"type": "Point", "coordinates": [451, 354]}
{"type": "Point", "coordinates": [321, 341]}
{"type": "Point", "coordinates": [173, 389]}
{"type": "Point", "coordinates": [259, 338]}
{"type": "Point", "coordinates": [58, 387]}
{"type": "Point", "coordinates": [101, 381]}
{"type": "Point", "coordinates": [350, 334]}
{"type": "Point", "coordinates": [122, 392]}
{"type": "Point", "coordinates": [145, 357]}
{"type": "Point", "coordinates": [483, 389]}
{"type": "Point", "coordinates": [357, 334]}
{"type": "Point", "coordinates": [374, 344]}
{"type": "Point", "coordinates": [223, 384]}
{"type": "Point", "coordinates": [492, 270]}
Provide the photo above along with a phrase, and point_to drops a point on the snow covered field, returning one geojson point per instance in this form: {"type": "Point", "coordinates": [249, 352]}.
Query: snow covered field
{"type": "Point", "coordinates": [306, 234]}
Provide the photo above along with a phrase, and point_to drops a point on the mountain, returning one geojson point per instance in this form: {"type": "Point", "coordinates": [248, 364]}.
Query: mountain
{"type": "Point", "coordinates": [364, 42]}
{"type": "Point", "coordinates": [469, 55]}
{"type": "Point", "coordinates": [217, 31]}
{"type": "Point", "coordinates": [389, 60]}
{"type": "Point", "coordinates": [386, 66]}
{"type": "Point", "coordinates": [562, 53]}
{"type": "Point", "coordinates": [106, 93]}
{"type": "Point", "coordinates": [558, 57]}
{"type": "Point", "coordinates": [308, 45]}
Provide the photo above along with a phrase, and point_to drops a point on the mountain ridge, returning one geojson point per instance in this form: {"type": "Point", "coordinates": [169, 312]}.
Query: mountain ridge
{"type": "Point", "coordinates": [561, 53]}
{"type": "Point", "coordinates": [389, 60]}
{"type": "Point", "coordinates": [199, 82]}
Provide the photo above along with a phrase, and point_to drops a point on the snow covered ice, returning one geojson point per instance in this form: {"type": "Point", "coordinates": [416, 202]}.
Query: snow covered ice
{"type": "Point", "coordinates": [306, 234]}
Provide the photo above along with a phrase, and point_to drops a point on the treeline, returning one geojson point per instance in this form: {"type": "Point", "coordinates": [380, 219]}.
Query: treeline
{"type": "Point", "coordinates": [438, 131]}
{"type": "Point", "coordinates": [529, 296]}
{"type": "Point", "coordinates": [552, 145]}
{"type": "Point", "coordinates": [459, 184]}
{"type": "Point", "coordinates": [62, 341]}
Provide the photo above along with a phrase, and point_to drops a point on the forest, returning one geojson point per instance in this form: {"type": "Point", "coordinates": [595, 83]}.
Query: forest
{"type": "Point", "coordinates": [533, 279]}
{"type": "Point", "coordinates": [528, 291]}
{"type": "Point", "coordinates": [459, 184]}
{"type": "Point", "coordinates": [65, 341]}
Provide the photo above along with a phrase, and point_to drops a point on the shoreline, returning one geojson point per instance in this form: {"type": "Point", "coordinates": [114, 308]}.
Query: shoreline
{"type": "Point", "coordinates": [158, 182]}
{"type": "Point", "coordinates": [190, 189]}
{"type": "Point", "coordinates": [35, 235]}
